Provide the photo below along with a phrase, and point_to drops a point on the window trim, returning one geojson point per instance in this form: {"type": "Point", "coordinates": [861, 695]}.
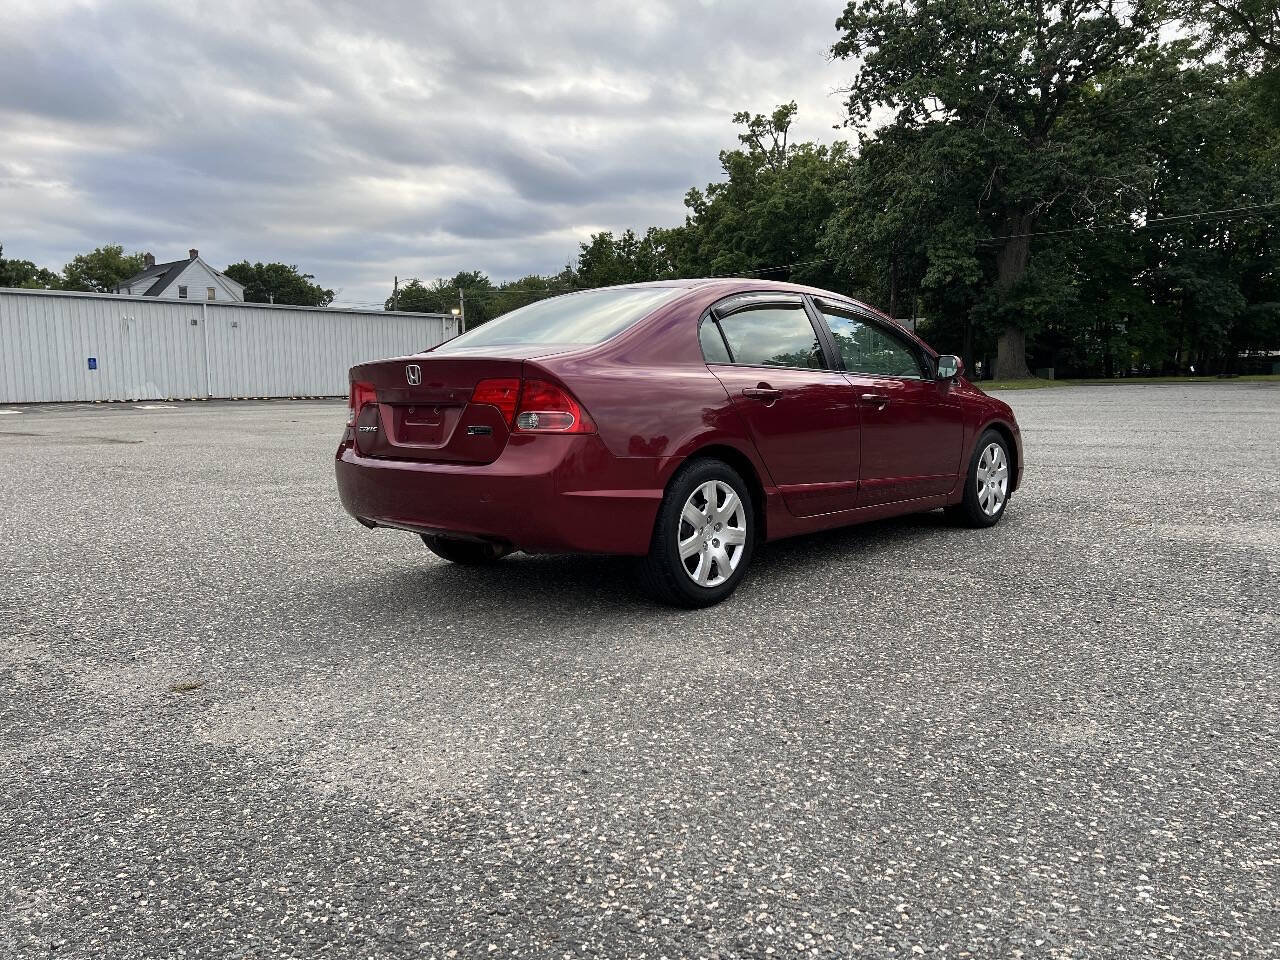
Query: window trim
{"type": "Point", "coordinates": [182, 291]}
{"type": "Point", "coordinates": [929, 371]}
{"type": "Point", "coordinates": [756, 299]}
{"type": "Point", "coordinates": [709, 317]}
{"type": "Point", "coordinates": [748, 300]}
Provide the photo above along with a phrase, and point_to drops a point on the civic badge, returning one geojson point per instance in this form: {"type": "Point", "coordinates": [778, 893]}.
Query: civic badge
{"type": "Point", "coordinates": [413, 373]}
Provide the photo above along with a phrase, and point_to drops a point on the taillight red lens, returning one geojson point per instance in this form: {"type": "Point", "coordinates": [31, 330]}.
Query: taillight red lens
{"type": "Point", "coordinates": [547, 408]}
{"type": "Point", "coordinates": [501, 393]}
{"type": "Point", "coordinates": [361, 394]}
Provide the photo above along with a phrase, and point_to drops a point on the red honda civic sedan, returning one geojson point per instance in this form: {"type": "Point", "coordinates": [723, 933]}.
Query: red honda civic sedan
{"type": "Point", "coordinates": [684, 422]}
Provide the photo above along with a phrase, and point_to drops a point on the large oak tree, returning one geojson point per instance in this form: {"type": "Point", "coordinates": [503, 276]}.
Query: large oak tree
{"type": "Point", "coordinates": [1015, 96]}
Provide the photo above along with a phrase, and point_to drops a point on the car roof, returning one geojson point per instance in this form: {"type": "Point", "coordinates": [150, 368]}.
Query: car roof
{"type": "Point", "coordinates": [732, 285]}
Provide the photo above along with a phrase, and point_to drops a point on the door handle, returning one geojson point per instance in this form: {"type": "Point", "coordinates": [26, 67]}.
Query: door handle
{"type": "Point", "coordinates": [877, 400]}
{"type": "Point", "coordinates": [762, 392]}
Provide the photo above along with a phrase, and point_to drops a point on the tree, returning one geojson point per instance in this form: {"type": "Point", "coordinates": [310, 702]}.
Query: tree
{"type": "Point", "coordinates": [1247, 30]}
{"type": "Point", "coordinates": [1247, 35]}
{"type": "Point", "coordinates": [415, 297]}
{"type": "Point", "coordinates": [1018, 97]}
{"type": "Point", "coordinates": [101, 270]}
{"type": "Point", "coordinates": [471, 290]}
{"type": "Point", "coordinates": [905, 234]}
{"type": "Point", "coordinates": [278, 283]}
{"type": "Point", "coordinates": [1216, 281]}
{"type": "Point", "coordinates": [605, 260]}
{"type": "Point", "coordinates": [527, 290]}
{"type": "Point", "coordinates": [769, 211]}
{"type": "Point", "coordinates": [24, 273]}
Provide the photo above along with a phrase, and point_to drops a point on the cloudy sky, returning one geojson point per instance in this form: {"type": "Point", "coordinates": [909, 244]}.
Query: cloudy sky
{"type": "Point", "coordinates": [365, 140]}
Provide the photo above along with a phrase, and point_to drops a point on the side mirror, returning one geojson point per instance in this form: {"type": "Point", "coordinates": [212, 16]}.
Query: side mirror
{"type": "Point", "coordinates": [949, 367]}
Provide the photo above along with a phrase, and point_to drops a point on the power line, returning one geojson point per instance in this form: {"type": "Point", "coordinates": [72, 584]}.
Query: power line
{"type": "Point", "coordinates": [544, 292]}
{"type": "Point", "coordinates": [781, 266]}
{"type": "Point", "coordinates": [1225, 213]}
{"type": "Point", "coordinates": [404, 281]}
{"type": "Point", "coordinates": [476, 292]}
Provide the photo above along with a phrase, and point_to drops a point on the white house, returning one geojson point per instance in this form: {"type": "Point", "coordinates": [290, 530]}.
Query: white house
{"type": "Point", "coordinates": [190, 279]}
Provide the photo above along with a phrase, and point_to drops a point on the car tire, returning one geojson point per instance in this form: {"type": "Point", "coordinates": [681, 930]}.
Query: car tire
{"type": "Point", "coordinates": [987, 483]}
{"type": "Point", "coordinates": [722, 554]}
{"type": "Point", "coordinates": [468, 553]}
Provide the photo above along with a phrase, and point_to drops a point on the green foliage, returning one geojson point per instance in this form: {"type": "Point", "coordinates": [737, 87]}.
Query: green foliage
{"type": "Point", "coordinates": [770, 211]}
{"type": "Point", "coordinates": [1215, 284]}
{"type": "Point", "coordinates": [1020, 118]}
{"type": "Point", "coordinates": [604, 261]}
{"type": "Point", "coordinates": [519, 293]}
{"type": "Point", "coordinates": [278, 283]}
{"type": "Point", "coordinates": [100, 270]}
{"type": "Point", "coordinates": [1246, 31]}
{"type": "Point", "coordinates": [25, 274]}
{"type": "Point", "coordinates": [445, 296]}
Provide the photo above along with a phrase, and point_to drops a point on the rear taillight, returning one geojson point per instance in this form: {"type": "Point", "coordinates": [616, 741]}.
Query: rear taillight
{"type": "Point", "coordinates": [534, 406]}
{"type": "Point", "coordinates": [547, 408]}
{"type": "Point", "coordinates": [361, 394]}
{"type": "Point", "coordinates": [501, 393]}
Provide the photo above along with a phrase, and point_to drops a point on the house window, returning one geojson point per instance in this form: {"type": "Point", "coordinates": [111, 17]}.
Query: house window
{"type": "Point", "coordinates": [209, 293]}
{"type": "Point", "coordinates": [182, 293]}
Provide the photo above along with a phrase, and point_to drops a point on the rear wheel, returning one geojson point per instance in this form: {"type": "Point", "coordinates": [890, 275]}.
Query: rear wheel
{"type": "Point", "coordinates": [469, 553]}
{"type": "Point", "coordinates": [987, 485]}
{"type": "Point", "coordinates": [703, 536]}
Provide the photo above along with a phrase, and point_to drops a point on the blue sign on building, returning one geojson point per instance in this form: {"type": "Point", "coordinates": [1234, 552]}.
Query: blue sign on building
{"type": "Point", "coordinates": [93, 363]}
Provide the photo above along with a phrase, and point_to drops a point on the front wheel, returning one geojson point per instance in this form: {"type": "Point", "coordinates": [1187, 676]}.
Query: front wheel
{"type": "Point", "coordinates": [703, 536]}
{"type": "Point", "coordinates": [987, 484]}
{"type": "Point", "coordinates": [468, 553]}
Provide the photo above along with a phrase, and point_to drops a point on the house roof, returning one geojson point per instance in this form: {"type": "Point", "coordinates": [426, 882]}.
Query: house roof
{"type": "Point", "coordinates": [162, 274]}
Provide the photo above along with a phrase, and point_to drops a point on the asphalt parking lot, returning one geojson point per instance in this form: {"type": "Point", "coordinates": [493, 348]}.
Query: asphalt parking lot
{"type": "Point", "coordinates": [233, 723]}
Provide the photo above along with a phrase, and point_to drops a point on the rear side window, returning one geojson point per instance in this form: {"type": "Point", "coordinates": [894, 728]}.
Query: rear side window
{"type": "Point", "coordinates": [773, 336]}
{"type": "Point", "coordinates": [868, 348]}
{"type": "Point", "coordinates": [713, 348]}
{"type": "Point", "coordinates": [591, 316]}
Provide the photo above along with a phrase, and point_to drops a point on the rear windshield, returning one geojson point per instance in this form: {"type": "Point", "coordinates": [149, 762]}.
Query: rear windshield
{"type": "Point", "coordinates": [587, 317]}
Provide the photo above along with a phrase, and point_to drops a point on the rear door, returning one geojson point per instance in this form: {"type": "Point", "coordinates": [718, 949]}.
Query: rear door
{"type": "Point", "coordinates": [912, 428]}
{"type": "Point", "coordinates": [799, 411]}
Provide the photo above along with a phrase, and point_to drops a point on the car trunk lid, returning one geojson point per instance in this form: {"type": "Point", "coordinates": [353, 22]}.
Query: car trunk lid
{"type": "Point", "coordinates": [423, 409]}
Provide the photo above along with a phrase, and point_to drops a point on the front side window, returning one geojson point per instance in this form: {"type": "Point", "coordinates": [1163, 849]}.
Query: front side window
{"type": "Point", "coordinates": [209, 292]}
{"type": "Point", "coordinates": [182, 293]}
{"type": "Point", "coordinates": [866, 347]}
{"type": "Point", "coordinates": [773, 336]}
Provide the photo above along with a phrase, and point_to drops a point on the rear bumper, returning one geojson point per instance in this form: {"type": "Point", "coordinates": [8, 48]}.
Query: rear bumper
{"type": "Point", "coordinates": [544, 494]}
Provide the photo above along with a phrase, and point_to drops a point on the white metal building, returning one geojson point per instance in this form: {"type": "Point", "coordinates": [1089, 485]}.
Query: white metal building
{"type": "Point", "coordinates": [59, 346]}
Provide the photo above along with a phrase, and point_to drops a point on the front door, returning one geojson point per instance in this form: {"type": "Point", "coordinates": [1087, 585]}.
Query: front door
{"type": "Point", "coordinates": [912, 429]}
{"type": "Point", "coordinates": [801, 414]}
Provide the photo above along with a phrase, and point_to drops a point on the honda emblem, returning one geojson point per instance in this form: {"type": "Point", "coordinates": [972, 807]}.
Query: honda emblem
{"type": "Point", "coordinates": [413, 373]}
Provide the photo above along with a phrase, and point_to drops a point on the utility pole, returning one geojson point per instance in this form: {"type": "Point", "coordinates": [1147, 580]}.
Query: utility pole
{"type": "Point", "coordinates": [395, 295]}
{"type": "Point", "coordinates": [462, 308]}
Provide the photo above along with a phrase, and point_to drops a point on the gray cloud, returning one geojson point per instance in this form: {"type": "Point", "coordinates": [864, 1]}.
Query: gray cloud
{"type": "Point", "coordinates": [365, 140]}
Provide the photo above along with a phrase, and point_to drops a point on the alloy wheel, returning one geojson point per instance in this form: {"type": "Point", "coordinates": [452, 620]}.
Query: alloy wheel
{"type": "Point", "coordinates": [992, 479]}
{"type": "Point", "coordinates": [713, 533]}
